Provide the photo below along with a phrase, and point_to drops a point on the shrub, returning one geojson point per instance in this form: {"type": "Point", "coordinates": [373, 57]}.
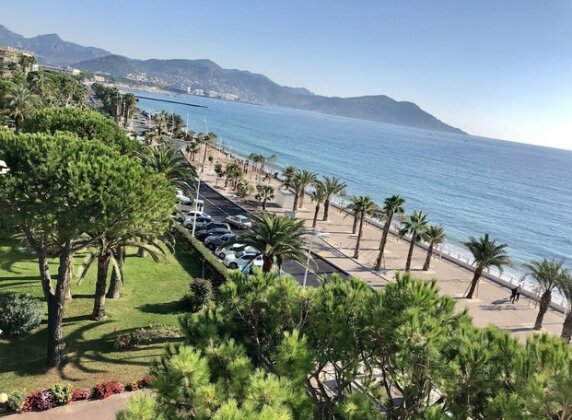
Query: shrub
{"type": "Point", "coordinates": [147, 335]}
{"type": "Point", "coordinates": [146, 381]}
{"type": "Point", "coordinates": [140, 407]}
{"type": "Point", "coordinates": [62, 393]}
{"type": "Point", "coordinates": [199, 295]}
{"type": "Point", "coordinates": [132, 386]}
{"type": "Point", "coordinates": [39, 401]}
{"type": "Point", "coordinates": [80, 394]}
{"type": "Point", "coordinates": [107, 389]}
{"type": "Point", "coordinates": [19, 313]}
{"type": "Point", "coordinates": [16, 401]}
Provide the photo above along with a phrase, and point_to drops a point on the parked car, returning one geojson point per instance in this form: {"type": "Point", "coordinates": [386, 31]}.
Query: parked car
{"type": "Point", "coordinates": [200, 222]}
{"type": "Point", "coordinates": [239, 221]}
{"type": "Point", "coordinates": [227, 249]}
{"type": "Point", "coordinates": [193, 213]}
{"type": "Point", "coordinates": [241, 259]}
{"type": "Point", "coordinates": [218, 231]}
{"type": "Point", "coordinates": [213, 242]}
{"type": "Point", "coordinates": [213, 225]}
{"type": "Point", "coordinates": [178, 216]}
{"type": "Point", "coordinates": [182, 198]}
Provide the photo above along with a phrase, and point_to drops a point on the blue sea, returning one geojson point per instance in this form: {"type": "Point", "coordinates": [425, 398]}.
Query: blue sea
{"type": "Point", "coordinates": [520, 194]}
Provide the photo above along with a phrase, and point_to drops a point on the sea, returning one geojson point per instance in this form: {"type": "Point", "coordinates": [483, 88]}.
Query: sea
{"type": "Point", "coordinates": [520, 194]}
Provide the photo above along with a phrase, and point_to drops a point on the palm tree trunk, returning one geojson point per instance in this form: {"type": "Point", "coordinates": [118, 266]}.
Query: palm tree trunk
{"type": "Point", "coordinates": [267, 264]}
{"type": "Point", "coordinates": [474, 282]}
{"type": "Point", "coordinates": [100, 286]}
{"type": "Point", "coordinates": [354, 226]}
{"type": "Point", "coordinates": [264, 204]}
{"type": "Point", "coordinates": [356, 252]}
{"type": "Point", "coordinates": [315, 222]}
{"type": "Point", "coordinates": [410, 253]}
{"type": "Point", "coordinates": [326, 210]}
{"type": "Point", "coordinates": [301, 199]}
{"type": "Point", "coordinates": [428, 259]}
{"type": "Point", "coordinates": [542, 308]}
{"type": "Point", "coordinates": [295, 206]}
{"type": "Point", "coordinates": [115, 282]}
{"type": "Point", "coordinates": [382, 245]}
{"type": "Point", "coordinates": [567, 327]}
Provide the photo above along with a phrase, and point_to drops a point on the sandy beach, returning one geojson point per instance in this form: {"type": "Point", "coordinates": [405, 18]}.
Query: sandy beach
{"type": "Point", "coordinates": [491, 307]}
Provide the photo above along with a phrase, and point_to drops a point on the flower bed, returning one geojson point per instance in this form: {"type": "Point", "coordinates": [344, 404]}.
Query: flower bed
{"type": "Point", "coordinates": [62, 394]}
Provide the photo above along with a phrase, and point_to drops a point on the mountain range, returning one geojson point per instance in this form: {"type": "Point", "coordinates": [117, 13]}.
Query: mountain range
{"type": "Point", "coordinates": [204, 77]}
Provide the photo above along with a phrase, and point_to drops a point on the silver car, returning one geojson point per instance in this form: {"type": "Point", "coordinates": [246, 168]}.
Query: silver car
{"type": "Point", "coordinates": [239, 221]}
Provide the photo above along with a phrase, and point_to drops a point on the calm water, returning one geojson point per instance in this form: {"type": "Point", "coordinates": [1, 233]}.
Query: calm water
{"type": "Point", "coordinates": [520, 194]}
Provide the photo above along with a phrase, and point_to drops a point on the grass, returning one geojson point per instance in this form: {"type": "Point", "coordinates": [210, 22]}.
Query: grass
{"type": "Point", "coordinates": [149, 296]}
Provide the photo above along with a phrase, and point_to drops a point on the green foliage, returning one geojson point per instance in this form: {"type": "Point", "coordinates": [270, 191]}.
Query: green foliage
{"type": "Point", "coordinates": [62, 393]}
{"type": "Point", "coordinates": [16, 401]}
{"type": "Point", "coordinates": [146, 335]}
{"type": "Point", "coordinates": [140, 407]}
{"type": "Point", "coordinates": [57, 89]}
{"type": "Point", "coordinates": [86, 124]}
{"type": "Point", "coordinates": [199, 295]}
{"type": "Point", "coordinates": [20, 313]}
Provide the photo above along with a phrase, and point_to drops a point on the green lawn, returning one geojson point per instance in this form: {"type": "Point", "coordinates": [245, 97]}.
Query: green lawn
{"type": "Point", "coordinates": [149, 296]}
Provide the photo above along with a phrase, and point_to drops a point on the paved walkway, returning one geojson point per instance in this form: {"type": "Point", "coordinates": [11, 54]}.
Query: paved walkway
{"type": "Point", "coordinates": [491, 307]}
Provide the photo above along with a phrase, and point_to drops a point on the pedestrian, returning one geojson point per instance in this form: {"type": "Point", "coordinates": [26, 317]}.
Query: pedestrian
{"type": "Point", "coordinates": [518, 291]}
{"type": "Point", "coordinates": [513, 294]}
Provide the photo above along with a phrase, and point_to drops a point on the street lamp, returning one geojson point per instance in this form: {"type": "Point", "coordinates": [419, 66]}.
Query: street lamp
{"type": "Point", "coordinates": [314, 235]}
{"type": "Point", "coordinates": [196, 204]}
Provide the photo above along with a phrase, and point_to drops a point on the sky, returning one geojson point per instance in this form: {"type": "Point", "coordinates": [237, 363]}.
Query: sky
{"type": "Point", "coordinates": [500, 69]}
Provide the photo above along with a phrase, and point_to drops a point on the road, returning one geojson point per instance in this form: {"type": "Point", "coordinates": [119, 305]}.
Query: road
{"type": "Point", "coordinates": [219, 207]}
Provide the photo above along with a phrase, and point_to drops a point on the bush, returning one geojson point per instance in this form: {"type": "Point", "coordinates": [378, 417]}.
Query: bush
{"type": "Point", "coordinates": [39, 401]}
{"type": "Point", "coordinates": [199, 295]}
{"type": "Point", "coordinates": [20, 313]}
{"type": "Point", "coordinates": [132, 386]}
{"type": "Point", "coordinates": [140, 407]}
{"type": "Point", "coordinates": [62, 393]}
{"type": "Point", "coordinates": [146, 381]}
{"type": "Point", "coordinates": [16, 401]}
{"type": "Point", "coordinates": [147, 335]}
{"type": "Point", "coordinates": [107, 389]}
{"type": "Point", "coordinates": [80, 394]}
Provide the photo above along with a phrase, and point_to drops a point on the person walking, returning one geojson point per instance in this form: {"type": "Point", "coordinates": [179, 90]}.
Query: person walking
{"type": "Point", "coordinates": [513, 293]}
{"type": "Point", "coordinates": [518, 291]}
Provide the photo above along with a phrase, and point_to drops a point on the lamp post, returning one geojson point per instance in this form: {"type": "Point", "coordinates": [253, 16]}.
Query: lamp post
{"type": "Point", "coordinates": [314, 235]}
{"type": "Point", "coordinates": [196, 205]}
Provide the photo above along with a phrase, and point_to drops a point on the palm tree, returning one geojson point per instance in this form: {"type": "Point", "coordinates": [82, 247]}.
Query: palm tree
{"type": "Point", "coordinates": [416, 226]}
{"type": "Point", "coordinates": [486, 253]}
{"type": "Point", "coordinates": [566, 290]}
{"type": "Point", "coordinates": [161, 120]}
{"type": "Point", "coordinates": [20, 103]}
{"type": "Point", "coordinates": [435, 235]}
{"type": "Point", "coordinates": [233, 173]}
{"type": "Point", "coordinates": [169, 162]}
{"type": "Point", "coordinates": [319, 196]}
{"type": "Point", "coordinates": [264, 193]}
{"type": "Point", "coordinates": [549, 276]}
{"type": "Point", "coordinates": [332, 186]}
{"type": "Point", "coordinates": [354, 211]}
{"type": "Point", "coordinates": [288, 174]}
{"type": "Point", "coordinates": [391, 206]}
{"type": "Point", "coordinates": [257, 164]}
{"type": "Point", "coordinates": [192, 149]}
{"type": "Point", "coordinates": [243, 188]}
{"type": "Point", "coordinates": [276, 237]}
{"type": "Point", "coordinates": [364, 206]}
{"type": "Point", "coordinates": [300, 181]}
{"type": "Point", "coordinates": [207, 140]}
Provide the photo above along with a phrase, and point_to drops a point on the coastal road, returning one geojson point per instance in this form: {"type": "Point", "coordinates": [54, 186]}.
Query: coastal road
{"type": "Point", "coordinates": [219, 207]}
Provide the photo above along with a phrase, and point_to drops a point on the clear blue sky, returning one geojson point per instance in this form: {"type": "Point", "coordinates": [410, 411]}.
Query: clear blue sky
{"type": "Point", "coordinates": [497, 68]}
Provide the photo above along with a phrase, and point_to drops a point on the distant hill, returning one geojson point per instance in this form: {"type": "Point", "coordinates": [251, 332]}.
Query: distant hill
{"type": "Point", "coordinates": [51, 49]}
{"type": "Point", "coordinates": [204, 77]}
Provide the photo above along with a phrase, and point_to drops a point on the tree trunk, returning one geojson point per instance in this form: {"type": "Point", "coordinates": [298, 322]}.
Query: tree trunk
{"type": "Point", "coordinates": [141, 253]}
{"type": "Point", "coordinates": [428, 259]}
{"type": "Point", "coordinates": [100, 286]}
{"type": "Point", "coordinates": [410, 253]}
{"type": "Point", "coordinates": [264, 204]}
{"type": "Point", "coordinates": [301, 199]}
{"type": "Point", "coordinates": [474, 282]}
{"type": "Point", "coordinates": [295, 206]}
{"type": "Point", "coordinates": [56, 308]}
{"type": "Point", "coordinates": [316, 216]}
{"type": "Point", "coordinates": [356, 253]}
{"type": "Point", "coordinates": [115, 282]}
{"type": "Point", "coordinates": [567, 327]}
{"type": "Point", "coordinates": [45, 275]}
{"type": "Point", "coordinates": [542, 308]}
{"type": "Point", "coordinates": [204, 158]}
{"type": "Point", "coordinates": [267, 265]}
{"type": "Point", "coordinates": [354, 226]}
{"type": "Point", "coordinates": [382, 245]}
{"type": "Point", "coordinates": [326, 210]}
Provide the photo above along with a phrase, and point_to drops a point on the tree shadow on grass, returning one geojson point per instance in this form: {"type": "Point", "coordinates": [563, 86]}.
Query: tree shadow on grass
{"type": "Point", "coordinates": [173, 307]}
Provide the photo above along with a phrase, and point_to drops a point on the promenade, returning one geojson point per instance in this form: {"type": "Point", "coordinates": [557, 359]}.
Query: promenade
{"type": "Point", "coordinates": [491, 307]}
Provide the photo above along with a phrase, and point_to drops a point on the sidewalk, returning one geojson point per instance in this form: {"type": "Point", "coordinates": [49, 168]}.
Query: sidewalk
{"type": "Point", "coordinates": [491, 307]}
